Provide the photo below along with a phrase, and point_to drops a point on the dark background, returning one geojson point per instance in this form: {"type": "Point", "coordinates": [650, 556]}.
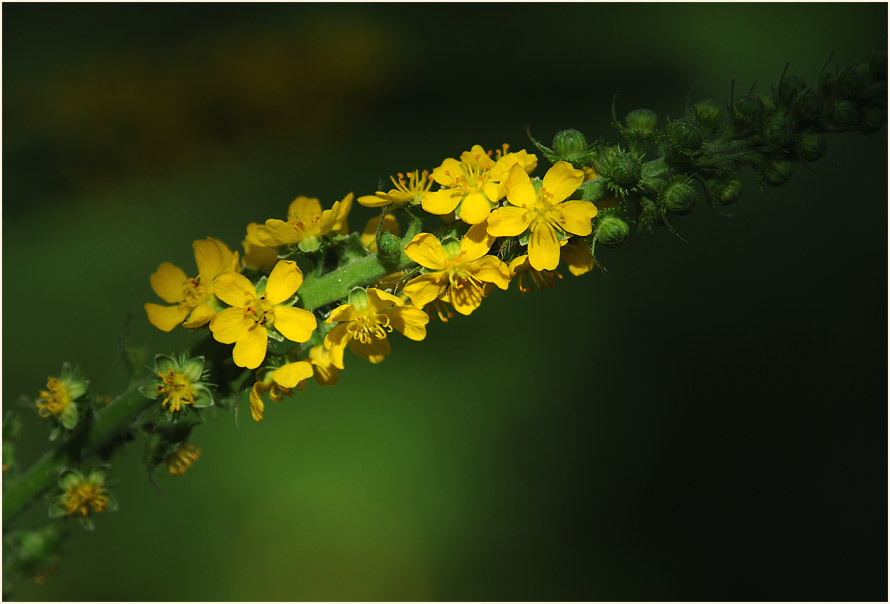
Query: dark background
{"type": "Point", "coordinates": [706, 420]}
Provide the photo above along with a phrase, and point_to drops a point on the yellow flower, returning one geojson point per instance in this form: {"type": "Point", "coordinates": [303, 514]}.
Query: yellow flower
{"type": "Point", "coordinates": [192, 297]}
{"type": "Point", "coordinates": [257, 257]}
{"type": "Point", "coordinates": [306, 224]}
{"type": "Point", "coordinates": [576, 255]}
{"type": "Point", "coordinates": [522, 269]}
{"type": "Point", "coordinates": [279, 383]}
{"type": "Point", "coordinates": [326, 374]}
{"type": "Point", "coordinates": [83, 495]}
{"type": "Point", "coordinates": [363, 323]}
{"type": "Point", "coordinates": [182, 459]}
{"type": "Point", "coordinates": [247, 323]}
{"type": "Point", "coordinates": [459, 270]}
{"type": "Point", "coordinates": [58, 399]}
{"type": "Point", "coordinates": [471, 186]}
{"type": "Point", "coordinates": [543, 211]}
{"type": "Point", "coordinates": [409, 191]}
{"type": "Point", "coordinates": [369, 235]}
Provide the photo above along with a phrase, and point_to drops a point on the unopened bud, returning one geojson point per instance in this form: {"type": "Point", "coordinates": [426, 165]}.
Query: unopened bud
{"type": "Point", "coordinates": [569, 143]}
{"type": "Point", "coordinates": [612, 231]}
{"type": "Point", "coordinates": [678, 196]}
{"type": "Point", "coordinates": [749, 108]}
{"type": "Point", "coordinates": [641, 120]}
{"type": "Point", "coordinates": [780, 131]}
{"type": "Point", "coordinates": [810, 146]}
{"type": "Point", "coordinates": [389, 245]}
{"type": "Point", "coordinates": [776, 172]}
{"type": "Point", "coordinates": [844, 113]}
{"type": "Point", "coordinates": [686, 137]}
{"type": "Point", "coordinates": [626, 170]}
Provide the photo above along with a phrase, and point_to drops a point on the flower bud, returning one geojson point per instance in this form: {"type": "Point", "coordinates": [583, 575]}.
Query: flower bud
{"type": "Point", "coordinates": [850, 83]}
{"type": "Point", "coordinates": [389, 245]}
{"type": "Point", "coordinates": [873, 119]}
{"type": "Point", "coordinates": [726, 191]}
{"type": "Point", "coordinates": [844, 113]}
{"type": "Point", "coordinates": [808, 105]}
{"type": "Point", "coordinates": [678, 195]}
{"type": "Point", "coordinates": [358, 298]}
{"type": "Point", "coordinates": [776, 172]}
{"type": "Point", "coordinates": [790, 85]}
{"type": "Point", "coordinates": [686, 137]}
{"type": "Point", "coordinates": [780, 131]}
{"type": "Point", "coordinates": [569, 143]}
{"type": "Point", "coordinates": [810, 146]}
{"type": "Point", "coordinates": [709, 114]}
{"type": "Point", "coordinates": [625, 170]}
{"type": "Point", "coordinates": [641, 120]}
{"type": "Point", "coordinates": [611, 232]}
{"type": "Point", "coordinates": [749, 108]}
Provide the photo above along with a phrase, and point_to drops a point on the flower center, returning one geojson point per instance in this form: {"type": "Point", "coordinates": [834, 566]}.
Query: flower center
{"type": "Point", "coordinates": [55, 398]}
{"type": "Point", "coordinates": [193, 293]}
{"type": "Point", "coordinates": [176, 389]}
{"type": "Point", "coordinates": [369, 326]}
{"type": "Point", "coordinates": [418, 184]}
{"type": "Point", "coordinates": [261, 312]}
{"type": "Point", "coordinates": [85, 497]}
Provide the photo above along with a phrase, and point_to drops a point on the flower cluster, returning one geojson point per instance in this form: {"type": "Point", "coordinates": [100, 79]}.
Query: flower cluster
{"type": "Point", "coordinates": [305, 288]}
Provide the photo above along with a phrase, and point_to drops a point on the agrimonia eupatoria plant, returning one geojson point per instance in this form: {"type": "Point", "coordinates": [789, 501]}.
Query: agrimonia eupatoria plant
{"type": "Point", "coordinates": [304, 288]}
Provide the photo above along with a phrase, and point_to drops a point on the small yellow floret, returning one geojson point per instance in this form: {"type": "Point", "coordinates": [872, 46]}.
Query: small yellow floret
{"type": "Point", "coordinates": [176, 389]}
{"type": "Point", "coordinates": [182, 459]}
{"type": "Point", "coordinates": [86, 497]}
{"type": "Point", "coordinates": [55, 398]}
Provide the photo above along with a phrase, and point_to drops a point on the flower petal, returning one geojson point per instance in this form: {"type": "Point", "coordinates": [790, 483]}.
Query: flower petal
{"type": "Point", "coordinates": [379, 300]}
{"type": "Point", "coordinates": [230, 325]}
{"type": "Point", "coordinates": [508, 221]}
{"type": "Point", "coordinates": [341, 226]}
{"type": "Point", "coordinates": [491, 270]}
{"type": "Point", "coordinates": [256, 403]}
{"type": "Point", "coordinates": [543, 248]}
{"type": "Point", "coordinates": [342, 314]}
{"type": "Point", "coordinates": [295, 324]}
{"type": "Point", "coordinates": [329, 218]}
{"type": "Point", "coordinates": [574, 216]}
{"type": "Point", "coordinates": [377, 200]}
{"type": "Point", "coordinates": [278, 232]}
{"type": "Point", "coordinates": [578, 258]}
{"type": "Point", "coordinates": [441, 202]}
{"type": "Point", "coordinates": [250, 350]}
{"type": "Point", "coordinates": [304, 209]}
{"type": "Point", "coordinates": [335, 342]}
{"type": "Point", "coordinates": [409, 321]}
{"type": "Point", "coordinates": [424, 289]}
{"type": "Point", "coordinates": [562, 180]}
{"type": "Point", "coordinates": [292, 374]}
{"type": "Point", "coordinates": [465, 299]}
{"type": "Point", "coordinates": [448, 173]}
{"type": "Point", "coordinates": [166, 318]}
{"type": "Point", "coordinates": [284, 280]}
{"type": "Point", "coordinates": [234, 289]}
{"type": "Point", "coordinates": [474, 208]}
{"type": "Point", "coordinates": [374, 351]}
{"type": "Point", "coordinates": [168, 282]}
{"type": "Point", "coordinates": [211, 258]}
{"type": "Point", "coordinates": [426, 251]}
{"type": "Point", "coordinates": [326, 374]}
{"type": "Point", "coordinates": [199, 316]}
{"type": "Point", "coordinates": [520, 191]}
{"type": "Point", "coordinates": [476, 242]}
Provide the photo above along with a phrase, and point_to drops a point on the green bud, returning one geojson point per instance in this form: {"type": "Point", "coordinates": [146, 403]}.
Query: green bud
{"type": "Point", "coordinates": [358, 298]}
{"type": "Point", "coordinates": [844, 113]}
{"type": "Point", "coordinates": [850, 83]}
{"type": "Point", "coordinates": [776, 172]}
{"type": "Point", "coordinates": [678, 195]}
{"type": "Point", "coordinates": [641, 120]}
{"type": "Point", "coordinates": [389, 245]}
{"type": "Point", "coordinates": [810, 146]}
{"type": "Point", "coordinates": [709, 114]}
{"type": "Point", "coordinates": [808, 105]}
{"type": "Point", "coordinates": [780, 131]}
{"type": "Point", "coordinates": [686, 137]}
{"type": "Point", "coordinates": [790, 85]}
{"type": "Point", "coordinates": [625, 170]}
{"type": "Point", "coordinates": [873, 119]}
{"type": "Point", "coordinates": [569, 143]}
{"type": "Point", "coordinates": [749, 108]}
{"type": "Point", "coordinates": [727, 191]}
{"type": "Point", "coordinates": [612, 232]}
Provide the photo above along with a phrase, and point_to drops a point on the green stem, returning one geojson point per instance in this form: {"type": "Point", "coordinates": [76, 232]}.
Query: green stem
{"type": "Point", "coordinates": [109, 423]}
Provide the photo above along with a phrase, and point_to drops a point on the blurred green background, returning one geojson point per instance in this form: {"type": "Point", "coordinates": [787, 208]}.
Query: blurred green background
{"type": "Point", "coordinates": [703, 421]}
